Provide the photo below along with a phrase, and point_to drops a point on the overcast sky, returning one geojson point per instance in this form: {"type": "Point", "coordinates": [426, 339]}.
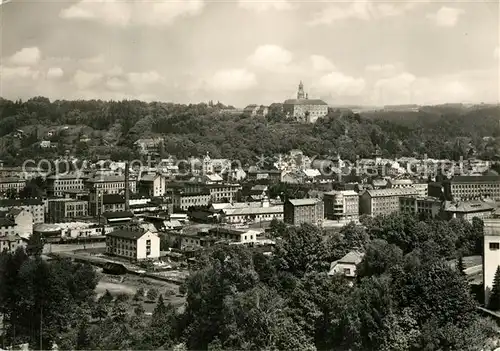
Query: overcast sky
{"type": "Point", "coordinates": [240, 52]}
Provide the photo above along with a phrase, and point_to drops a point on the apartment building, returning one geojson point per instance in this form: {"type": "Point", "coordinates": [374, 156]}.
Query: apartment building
{"type": "Point", "coordinates": [7, 227]}
{"type": "Point", "coordinates": [133, 244]}
{"type": "Point", "coordinates": [472, 187]}
{"type": "Point", "coordinates": [62, 210]}
{"type": "Point", "coordinates": [426, 206]}
{"type": "Point", "coordinates": [113, 184]}
{"type": "Point", "coordinates": [152, 185]}
{"type": "Point", "coordinates": [221, 192]}
{"type": "Point", "coordinates": [252, 212]}
{"type": "Point", "coordinates": [22, 219]}
{"type": "Point", "coordinates": [299, 211]}
{"type": "Point", "coordinates": [107, 203]}
{"type": "Point", "coordinates": [57, 184]}
{"type": "Point", "coordinates": [383, 201]}
{"type": "Point", "coordinates": [17, 184]}
{"type": "Point", "coordinates": [343, 204]}
{"type": "Point", "coordinates": [34, 206]}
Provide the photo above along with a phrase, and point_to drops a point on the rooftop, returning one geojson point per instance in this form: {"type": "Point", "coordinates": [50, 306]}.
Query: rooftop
{"type": "Point", "coordinates": [127, 233]}
{"type": "Point", "coordinates": [468, 206]}
{"type": "Point", "coordinates": [304, 202]}
{"type": "Point", "coordinates": [305, 102]}
{"type": "Point", "coordinates": [12, 180]}
{"type": "Point", "coordinates": [392, 192]}
{"type": "Point", "coordinates": [118, 214]}
{"type": "Point", "coordinates": [20, 202]}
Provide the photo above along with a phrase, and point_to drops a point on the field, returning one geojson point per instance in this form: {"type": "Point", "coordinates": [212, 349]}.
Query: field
{"type": "Point", "coordinates": [129, 284]}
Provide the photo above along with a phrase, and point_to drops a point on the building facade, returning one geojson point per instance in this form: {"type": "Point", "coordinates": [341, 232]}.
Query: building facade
{"type": "Point", "coordinates": [133, 244]}
{"type": "Point", "coordinates": [299, 211]}
{"type": "Point", "coordinates": [7, 227]}
{"type": "Point", "coordinates": [152, 185]}
{"type": "Point", "coordinates": [342, 204]}
{"type": "Point", "coordinates": [11, 243]}
{"type": "Point", "coordinates": [62, 210]}
{"type": "Point", "coordinates": [472, 187]}
{"type": "Point", "coordinates": [304, 109]}
{"type": "Point", "coordinates": [491, 255]}
{"type": "Point", "coordinates": [184, 201]}
{"type": "Point", "coordinates": [384, 201]}
{"type": "Point", "coordinates": [426, 206]}
{"type": "Point", "coordinates": [467, 210]}
{"type": "Point", "coordinates": [16, 184]}
{"type": "Point", "coordinates": [57, 185]}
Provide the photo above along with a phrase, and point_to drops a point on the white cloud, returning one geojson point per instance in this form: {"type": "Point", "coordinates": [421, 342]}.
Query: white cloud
{"type": "Point", "coordinates": [361, 10]}
{"type": "Point", "coordinates": [13, 73]}
{"type": "Point", "coordinates": [271, 57]}
{"type": "Point", "coordinates": [150, 77]}
{"type": "Point", "coordinates": [119, 13]}
{"type": "Point", "coordinates": [116, 71]}
{"type": "Point", "coordinates": [84, 80]}
{"type": "Point", "coordinates": [397, 89]}
{"type": "Point", "coordinates": [340, 84]}
{"type": "Point", "coordinates": [321, 63]}
{"type": "Point", "coordinates": [26, 57]}
{"type": "Point", "coordinates": [232, 80]}
{"type": "Point", "coordinates": [263, 6]}
{"type": "Point", "coordinates": [115, 83]}
{"type": "Point", "coordinates": [446, 16]}
{"type": "Point", "coordinates": [388, 69]}
{"type": "Point", "coordinates": [55, 72]}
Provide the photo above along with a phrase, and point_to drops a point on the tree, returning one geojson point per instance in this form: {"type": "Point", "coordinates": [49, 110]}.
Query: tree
{"type": "Point", "coordinates": [83, 341]}
{"type": "Point", "coordinates": [494, 299]}
{"type": "Point", "coordinates": [152, 294]}
{"type": "Point", "coordinates": [106, 297]}
{"type": "Point", "coordinates": [35, 245]}
{"type": "Point", "coordinates": [139, 310]}
{"type": "Point", "coordinates": [460, 265]}
{"type": "Point", "coordinates": [379, 258]}
{"type": "Point", "coordinates": [139, 294]}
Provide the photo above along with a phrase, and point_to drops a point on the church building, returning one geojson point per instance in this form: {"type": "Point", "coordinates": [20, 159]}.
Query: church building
{"type": "Point", "coordinates": [304, 109]}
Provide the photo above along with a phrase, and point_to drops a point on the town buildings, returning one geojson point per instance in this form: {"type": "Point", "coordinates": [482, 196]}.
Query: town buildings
{"type": "Point", "coordinates": [22, 219]}
{"type": "Point", "coordinates": [7, 227]}
{"type": "Point", "coordinates": [256, 110]}
{"type": "Point", "coordinates": [11, 242]}
{"type": "Point", "coordinates": [468, 209]}
{"type": "Point", "coordinates": [299, 211]}
{"type": "Point", "coordinates": [472, 187]}
{"type": "Point", "coordinates": [16, 184]}
{"type": "Point", "coordinates": [347, 264]}
{"type": "Point", "coordinates": [184, 201]}
{"type": "Point", "coordinates": [491, 255]}
{"type": "Point", "coordinates": [152, 185]}
{"type": "Point", "coordinates": [341, 205]}
{"type": "Point", "coordinates": [35, 206]}
{"type": "Point", "coordinates": [133, 244]}
{"type": "Point", "coordinates": [304, 109]}
{"type": "Point", "coordinates": [383, 201]}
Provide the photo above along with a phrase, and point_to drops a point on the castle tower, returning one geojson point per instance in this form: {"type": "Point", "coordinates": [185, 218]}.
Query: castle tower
{"type": "Point", "coordinates": [300, 92]}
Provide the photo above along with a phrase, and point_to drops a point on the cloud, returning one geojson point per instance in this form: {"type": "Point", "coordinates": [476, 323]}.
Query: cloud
{"type": "Point", "coordinates": [271, 57]}
{"type": "Point", "coordinates": [388, 69]}
{"type": "Point", "coordinates": [263, 6]}
{"type": "Point", "coordinates": [85, 80]}
{"type": "Point", "coordinates": [321, 63]}
{"type": "Point", "coordinates": [397, 88]}
{"type": "Point", "coordinates": [361, 10]}
{"type": "Point", "coordinates": [134, 12]}
{"type": "Point", "coordinates": [340, 84]}
{"type": "Point", "coordinates": [150, 77]}
{"type": "Point", "coordinates": [115, 83]}
{"type": "Point", "coordinates": [496, 52]}
{"type": "Point", "coordinates": [446, 16]}
{"type": "Point", "coordinates": [232, 80]}
{"type": "Point", "coordinates": [13, 73]}
{"type": "Point", "coordinates": [26, 57]}
{"type": "Point", "coordinates": [55, 72]}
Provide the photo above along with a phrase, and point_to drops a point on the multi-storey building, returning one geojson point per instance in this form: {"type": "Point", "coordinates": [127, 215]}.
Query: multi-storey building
{"type": "Point", "coordinates": [152, 185]}
{"type": "Point", "coordinates": [422, 189]}
{"type": "Point", "coordinates": [22, 219]}
{"type": "Point", "coordinates": [261, 211]}
{"type": "Point", "coordinates": [342, 204]}
{"type": "Point", "coordinates": [7, 227]}
{"type": "Point", "coordinates": [57, 185]}
{"type": "Point", "coordinates": [16, 184]}
{"type": "Point", "coordinates": [235, 235]}
{"type": "Point", "coordinates": [383, 202]}
{"type": "Point", "coordinates": [63, 210]}
{"type": "Point", "coordinates": [34, 206]}
{"type": "Point", "coordinates": [304, 109]}
{"type": "Point", "coordinates": [184, 201]}
{"type": "Point", "coordinates": [426, 206]}
{"type": "Point", "coordinates": [133, 244]}
{"type": "Point", "coordinates": [107, 203]}
{"type": "Point", "coordinates": [299, 211]}
{"type": "Point", "coordinates": [113, 184]}
{"type": "Point", "coordinates": [472, 187]}
{"type": "Point", "coordinates": [11, 243]}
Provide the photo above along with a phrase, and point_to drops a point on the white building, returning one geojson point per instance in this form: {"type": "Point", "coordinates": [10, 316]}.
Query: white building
{"type": "Point", "coordinates": [347, 264]}
{"type": "Point", "coordinates": [133, 244]}
{"type": "Point", "coordinates": [491, 254]}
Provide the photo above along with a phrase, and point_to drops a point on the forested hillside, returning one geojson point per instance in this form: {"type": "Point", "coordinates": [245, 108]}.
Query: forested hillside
{"type": "Point", "coordinates": [99, 127]}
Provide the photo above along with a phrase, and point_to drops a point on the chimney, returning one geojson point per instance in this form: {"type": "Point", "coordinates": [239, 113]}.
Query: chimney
{"type": "Point", "coordinates": [127, 187]}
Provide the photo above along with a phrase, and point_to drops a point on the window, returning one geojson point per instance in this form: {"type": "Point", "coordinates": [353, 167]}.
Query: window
{"type": "Point", "coordinates": [494, 246]}
{"type": "Point", "coordinates": [347, 271]}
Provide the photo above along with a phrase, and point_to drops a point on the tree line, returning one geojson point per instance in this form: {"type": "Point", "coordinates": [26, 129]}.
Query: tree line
{"type": "Point", "coordinates": [193, 130]}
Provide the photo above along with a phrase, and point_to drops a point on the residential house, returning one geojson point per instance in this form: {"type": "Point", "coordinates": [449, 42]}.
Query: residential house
{"type": "Point", "coordinates": [17, 184]}
{"type": "Point", "coordinates": [299, 211]}
{"type": "Point", "coordinates": [11, 243]}
{"type": "Point", "coordinates": [7, 227]}
{"type": "Point", "coordinates": [133, 244]}
{"type": "Point", "coordinates": [426, 206]}
{"type": "Point", "coordinates": [347, 264]}
{"type": "Point", "coordinates": [22, 219]}
{"type": "Point", "coordinates": [469, 209]}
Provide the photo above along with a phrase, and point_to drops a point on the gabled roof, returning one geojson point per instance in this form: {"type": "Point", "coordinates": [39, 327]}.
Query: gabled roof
{"type": "Point", "coordinates": [468, 206]}
{"type": "Point", "coordinates": [5, 222]}
{"type": "Point", "coordinates": [354, 257]}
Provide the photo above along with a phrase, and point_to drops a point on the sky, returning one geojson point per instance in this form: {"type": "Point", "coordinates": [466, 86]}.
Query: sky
{"type": "Point", "coordinates": [363, 52]}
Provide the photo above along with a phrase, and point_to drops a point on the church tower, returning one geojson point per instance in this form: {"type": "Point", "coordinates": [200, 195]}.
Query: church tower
{"type": "Point", "coordinates": [300, 93]}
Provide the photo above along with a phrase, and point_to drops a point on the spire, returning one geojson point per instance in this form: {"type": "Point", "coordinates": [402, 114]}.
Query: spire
{"type": "Point", "coordinates": [300, 92]}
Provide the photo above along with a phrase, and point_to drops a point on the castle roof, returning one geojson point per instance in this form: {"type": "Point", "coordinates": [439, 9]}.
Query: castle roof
{"type": "Point", "coordinates": [304, 102]}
